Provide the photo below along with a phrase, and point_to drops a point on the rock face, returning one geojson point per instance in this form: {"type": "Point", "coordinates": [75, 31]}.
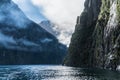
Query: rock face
{"type": "Point", "coordinates": [24, 42]}
{"type": "Point", "coordinates": [96, 40]}
{"type": "Point", "coordinates": [48, 26]}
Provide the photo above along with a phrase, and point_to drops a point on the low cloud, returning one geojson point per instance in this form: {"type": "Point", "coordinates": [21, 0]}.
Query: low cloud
{"type": "Point", "coordinates": [32, 11]}
{"type": "Point", "coordinates": [10, 14]}
{"type": "Point", "coordinates": [63, 13]}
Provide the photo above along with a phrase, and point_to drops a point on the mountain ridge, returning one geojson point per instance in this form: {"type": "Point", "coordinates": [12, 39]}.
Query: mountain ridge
{"type": "Point", "coordinates": [22, 41]}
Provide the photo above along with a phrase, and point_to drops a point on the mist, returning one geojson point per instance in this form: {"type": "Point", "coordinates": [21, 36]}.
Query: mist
{"type": "Point", "coordinates": [63, 13]}
{"type": "Point", "coordinates": [10, 14]}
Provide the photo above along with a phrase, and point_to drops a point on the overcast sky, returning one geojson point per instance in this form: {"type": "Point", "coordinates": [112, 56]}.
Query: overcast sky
{"type": "Point", "coordinates": [61, 12]}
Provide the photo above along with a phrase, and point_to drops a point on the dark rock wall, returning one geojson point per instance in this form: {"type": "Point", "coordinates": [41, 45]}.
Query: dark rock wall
{"type": "Point", "coordinates": [96, 40]}
{"type": "Point", "coordinates": [78, 53]}
{"type": "Point", "coordinates": [107, 36]}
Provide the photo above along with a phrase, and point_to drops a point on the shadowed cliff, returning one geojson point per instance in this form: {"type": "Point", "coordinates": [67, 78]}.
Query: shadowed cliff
{"type": "Point", "coordinates": [96, 40]}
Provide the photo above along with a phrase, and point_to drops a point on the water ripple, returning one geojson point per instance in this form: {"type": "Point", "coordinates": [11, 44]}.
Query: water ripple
{"type": "Point", "coordinates": [49, 72]}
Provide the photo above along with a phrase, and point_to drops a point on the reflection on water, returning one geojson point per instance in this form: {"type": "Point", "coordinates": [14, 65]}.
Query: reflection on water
{"type": "Point", "coordinates": [47, 72]}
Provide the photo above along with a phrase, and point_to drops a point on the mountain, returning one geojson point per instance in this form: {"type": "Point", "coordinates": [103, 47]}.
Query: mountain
{"type": "Point", "coordinates": [22, 41]}
{"type": "Point", "coordinates": [96, 40]}
{"type": "Point", "coordinates": [48, 26]}
{"type": "Point", "coordinates": [62, 34]}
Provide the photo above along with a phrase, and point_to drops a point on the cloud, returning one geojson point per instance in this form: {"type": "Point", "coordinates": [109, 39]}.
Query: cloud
{"type": "Point", "coordinates": [4, 39]}
{"type": "Point", "coordinates": [63, 13]}
{"type": "Point", "coordinates": [11, 15]}
{"type": "Point", "coordinates": [30, 10]}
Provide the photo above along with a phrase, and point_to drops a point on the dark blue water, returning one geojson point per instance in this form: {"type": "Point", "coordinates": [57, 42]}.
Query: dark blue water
{"type": "Point", "coordinates": [49, 72]}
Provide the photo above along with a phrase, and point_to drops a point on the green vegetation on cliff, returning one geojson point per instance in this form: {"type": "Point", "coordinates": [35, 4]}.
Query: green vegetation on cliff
{"type": "Point", "coordinates": [105, 11]}
{"type": "Point", "coordinates": [101, 47]}
{"type": "Point", "coordinates": [99, 32]}
{"type": "Point", "coordinates": [118, 10]}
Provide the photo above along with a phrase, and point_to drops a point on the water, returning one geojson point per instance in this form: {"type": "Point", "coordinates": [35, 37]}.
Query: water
{"type": "Point", "coordinates": [52, 72]}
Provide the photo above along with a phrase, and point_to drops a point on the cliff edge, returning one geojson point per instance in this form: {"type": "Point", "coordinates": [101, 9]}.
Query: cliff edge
{"type": "Point", "coordinates": [96, 40]}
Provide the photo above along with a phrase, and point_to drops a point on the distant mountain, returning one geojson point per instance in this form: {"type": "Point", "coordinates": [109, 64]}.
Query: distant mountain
{"type": "Point", "coordinates": [24, 42]}
{"type": "Point", "coordinates": [63, 35]}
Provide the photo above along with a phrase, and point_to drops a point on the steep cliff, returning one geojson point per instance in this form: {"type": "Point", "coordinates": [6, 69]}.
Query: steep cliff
{"type": "Point", "coordinates": [96, 40]}
{"type": "Point", "coordinates": [22, 41]}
